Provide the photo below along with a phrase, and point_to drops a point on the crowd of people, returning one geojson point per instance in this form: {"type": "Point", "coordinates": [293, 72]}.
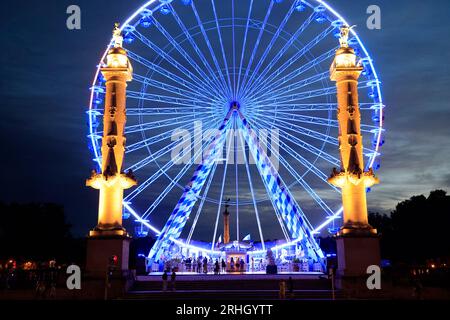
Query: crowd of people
{"type": "Point", "coordinates": [205, 265]}
{"type": "Point", "coordinates": [42, 277]}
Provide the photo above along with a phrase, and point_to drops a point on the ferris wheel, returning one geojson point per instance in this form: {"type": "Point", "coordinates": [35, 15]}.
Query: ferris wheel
{"type": "Point", "coordinates": [231, 105]}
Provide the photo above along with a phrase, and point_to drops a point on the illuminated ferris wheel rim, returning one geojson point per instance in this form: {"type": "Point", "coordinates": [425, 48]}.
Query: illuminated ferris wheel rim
{"type": "Point", "coordinates": [319, 2]}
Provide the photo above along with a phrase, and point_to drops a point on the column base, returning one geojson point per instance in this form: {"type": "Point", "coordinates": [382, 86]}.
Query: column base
{"type": "Point", "coordinates": [101, 246]}
{"type": "Point", "coordinates": [355, 252]}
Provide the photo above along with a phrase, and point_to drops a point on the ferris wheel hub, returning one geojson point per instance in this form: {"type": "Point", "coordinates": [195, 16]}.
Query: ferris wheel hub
{"type": "Point", "coordinates": [234, 105]}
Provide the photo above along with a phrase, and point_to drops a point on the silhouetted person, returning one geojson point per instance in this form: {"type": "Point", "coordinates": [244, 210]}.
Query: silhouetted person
{"type": "Point", "coordinates": [173, 277]}
{"type": "Point", "coordinates": [418, 289]}
{"type": "Point", "coordinates": [205, 265]}
{"type": "Point", "coordinates": [216, 267]}
{"type": "Point", "coordinates": [224, 266]}
{"type": "Point", "coordinates": [291, 288]}
{"type": "Point", "coordinates": [164, 281]}
{"type": "Point", "coordinates": [282, 292]}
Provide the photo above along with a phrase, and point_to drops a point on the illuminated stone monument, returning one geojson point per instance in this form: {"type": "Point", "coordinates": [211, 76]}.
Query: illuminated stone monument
{"type": "Point", "coordinates": [357, 241]}
{"type": "Point", "coordinates": [109, 238]}
{"type": "Point", "coordinates": [226, 225]}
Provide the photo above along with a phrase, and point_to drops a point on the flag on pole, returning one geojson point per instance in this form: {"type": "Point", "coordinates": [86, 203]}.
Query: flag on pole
{"type": "Point", "coordinates": [247, 238]}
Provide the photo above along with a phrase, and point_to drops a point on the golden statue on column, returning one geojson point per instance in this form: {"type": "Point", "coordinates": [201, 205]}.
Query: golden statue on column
{"type": "Point", "coordinates": [112, 181]}
{"type": "Point", "coordinates": [351, 177]}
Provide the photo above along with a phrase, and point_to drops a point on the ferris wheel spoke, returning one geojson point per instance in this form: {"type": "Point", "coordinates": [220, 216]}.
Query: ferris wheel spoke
{"type": "Point", "coordinates": [163, 111]}
{"type": "Point", "coordinates": [202, 202]}
{"type": "Point", "coordinates": [161, 123]}
{"type": "Point", "coordinates": [221, 84]}
{"type": "Point", "coordinates": [289, 62]}
{"type": "Point", "coordinates": [221, 46]}
{"type": "Point", "coordinates": [298, 96]}
{"type": "Point", "coordinates": [270, 45]}
{"type": "Point", "coordinates": [277, 123]}
{"type": "Point", "coordinates": [314, 120]}
{"type": "Point", "coordinates": [154, 156]}
{"type": "Point", "coordinates": [306, 163]}
{"type": "Point", "coordinates": [302, 144]}
{"type": "Point", "coordinates": [170, 88]}
{"type": "Point", "coordinates": [280, 184]}
{"type": "Point", "coordinates": [255, 48]}
{"type": "Point", "coordinates": [208, 43]}
{"type": "Point", "coordinates": [282, 98]}
{"type": "Point", "coordinates": [283, 50]}
{"type": "Point", "coordinates": [156, 138]}
{"type": "Point", "coordinates": [284, 91]}
{"type": "Point", "coordinates": [310, 133]}
{"type": "Point", "coordinates": [281, 197]}
{"type": "Point", "coordinates": [185, 55]}
{"type": "Point", "coordinates": [299, 179]}
{"type": "Point", "coordinates": [297, 107]}
{"type": "Point", "coordinates": [252, 192]}
{"type": "Point", "coordinates": [169, 75]}
{"type": "Point", "coordinates": [162, 170]}
{"type": "Point", "coordinates": [175, 181]}
{"type": "Point", "coordinates": [166, 56]}
{"type": "Point", "coordinates": [301, 107]}
{"type": "Point", "coordinates": [164, 123]}
{"type": "Point", "coordinates": [244, 42]}
{"type": "Point", "coordinates": [295, 73]}
{"type": "Point", "coordinates": [166, 99]}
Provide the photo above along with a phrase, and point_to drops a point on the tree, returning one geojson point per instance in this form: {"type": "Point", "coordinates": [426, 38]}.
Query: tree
{"type": "Point", "coordinates": [34, 231]}
{"type": "Point", "coordinates": [417, 229]}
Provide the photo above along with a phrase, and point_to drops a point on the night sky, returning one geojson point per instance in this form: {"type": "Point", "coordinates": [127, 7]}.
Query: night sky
{"type": "Point", "coordinates": [46, 71]}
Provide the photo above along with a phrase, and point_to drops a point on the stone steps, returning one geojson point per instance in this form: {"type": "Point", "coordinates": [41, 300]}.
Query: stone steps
{"type": "Point", "coordinates": [241, 287]}
{"type": "Point", "coordinates": [230, 295]}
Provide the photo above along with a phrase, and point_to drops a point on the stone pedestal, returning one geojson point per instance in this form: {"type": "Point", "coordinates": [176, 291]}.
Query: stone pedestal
{"type": "Point", "coordinates": [354, 254]}
{"type": "Point", "coordinates": [101, 249]}
{"type": "Point", "coordinates": [99, 252]}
